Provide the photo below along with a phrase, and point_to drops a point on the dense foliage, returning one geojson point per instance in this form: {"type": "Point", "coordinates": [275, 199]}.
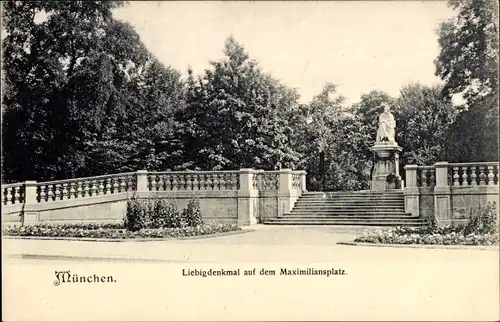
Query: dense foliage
{"type": "Point", "coordinates": [92, 100]}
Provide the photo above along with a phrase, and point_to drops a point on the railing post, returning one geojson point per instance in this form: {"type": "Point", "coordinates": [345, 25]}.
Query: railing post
{"type": "Point", "coordinates": [248, 209]}
{"type": "Point", "coordinates": [303, 174]}
{"type": "Point", "coordinates": [442, 195]}
{"type": "Point", "coordinates": [411, 192]}
{"type": "Point", "coordinates": [142, 182]}
{"type": "Point", "coordinates": [30, 216]}
{"type": "Point", "coordinates": [285, 202]}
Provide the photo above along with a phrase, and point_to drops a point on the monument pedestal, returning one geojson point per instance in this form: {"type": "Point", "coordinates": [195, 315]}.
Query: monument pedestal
{"type": "Point", "coordinates": [386, 170]}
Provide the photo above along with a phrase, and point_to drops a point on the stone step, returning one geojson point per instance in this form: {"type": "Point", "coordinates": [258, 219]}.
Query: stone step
{"type": "Point", "coordinates": [362, 222]}
{"type": "Point", "coordinates": [348, 205]}
{"type": "Point", "coordinates": [344, 216]}
{"type": "Point", "coordinates": [348, 213]}
{"type": "Point", "coordinates": [353, 198]}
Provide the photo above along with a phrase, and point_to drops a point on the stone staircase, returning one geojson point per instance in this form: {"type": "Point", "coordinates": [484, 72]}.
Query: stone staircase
{"type": "Point", "coordinates": [363, 208]}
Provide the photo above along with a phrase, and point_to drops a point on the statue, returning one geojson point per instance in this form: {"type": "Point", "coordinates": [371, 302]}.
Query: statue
{"type": "Point", "coordinates": [386, 126]}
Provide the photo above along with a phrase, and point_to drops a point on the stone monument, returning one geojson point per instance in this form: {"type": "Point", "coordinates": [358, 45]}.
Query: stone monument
{"type": "Point", "coordinates": [386, 154]}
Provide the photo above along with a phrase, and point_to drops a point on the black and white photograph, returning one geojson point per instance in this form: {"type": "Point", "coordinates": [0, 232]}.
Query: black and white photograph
{"type": "Point", "coordinates": [250, 160]}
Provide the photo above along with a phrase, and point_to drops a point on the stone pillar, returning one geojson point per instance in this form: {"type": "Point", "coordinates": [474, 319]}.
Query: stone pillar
{"type": "Point", "coordinates": [442, 195]}
{"type": "Point", "coordinates": [142, 182]}
{"type": "Point", "coordinates": [285, 198]}
{"type": "Point", "coordinates": [248, 208]}
{"type": "Point", "coordinates": [303, 181]}
{"type": "Point", "coordinates": [30, 215]}
{"type": "Point", "coordinates": [411, 192]}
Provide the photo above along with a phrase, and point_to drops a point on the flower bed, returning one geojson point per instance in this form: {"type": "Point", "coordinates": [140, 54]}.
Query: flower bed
{"type": "Point", "coordinates": [480, 230]}
{"type": "Point", "coordinates": [116, 231]}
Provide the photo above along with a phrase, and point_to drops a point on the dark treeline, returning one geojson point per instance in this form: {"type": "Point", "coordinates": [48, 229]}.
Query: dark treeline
{"type": "Point", "coordinates": [91, 100]}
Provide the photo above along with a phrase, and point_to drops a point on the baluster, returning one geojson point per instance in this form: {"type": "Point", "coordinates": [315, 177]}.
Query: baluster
{"type": "Point", "coordinates": [107, 189]}
{"type": "Point", "coordinates": [175, 182]}
{"type": "Point", "coordinates": [215, 179]}
{"type": "Point", "coordinates": [182, 182]}
{"type": "Point", "coordinates": [130, 182]}
{"type": "Point", "coordinates": [100, 189]}
{"type": "Point", "coordinates": [482, 176]}
{"type": "Point", "coordinates": [116, 184]}
{"type": "Point", "coordinates": [57, 191]}
{"type": "Point", "coordinates": [86, 188]}
{"type": "Point", "coordinates": [10, 196]}
{"type": "Point", "coordinates": [491, 176]}
{"type": "Point", "coordinates": [456, 177]}
{"type": "Point", "coordinates": [196, 182]}
{"type": "Point", "coordinates": [432, 179]}
{"type": "Point", "coordinates": [222, 183]}
{"type": "Point", "coordinates": [465, 180]}
{"type": "Point", "coordinates": [423, 177]}
{"type": "Point", "coordinates": [167, 178]}
{"type": "Point", "coordinates": [16, 194]}
{"type": "Point", "coordinates": [42, 195]}
{"type": "Point", "coordinates": [72, 190]}
{"type": "Point", "coordinates": [64, 191]}
{"type": "Point", "coordinates": [123, 184]}
{"type": "Point", "coordinates": [154, 186]}
{"type": "Point", "coordinates": [4, 196]}
{"type": "Point", "coordinates": [93, 187]}
{"type": "Point", "coordinates": [161, 182]}
{"type": "Point", "coordinates": [50, 192]}
{"type": "Point", "coordinates": [79, 189]}
{"type": "Point", "coordinates": [473, 176]}
{"type": "Point", "coordinates": [202, 181]}
{"type": "Point", "coordinates": [189, 183]}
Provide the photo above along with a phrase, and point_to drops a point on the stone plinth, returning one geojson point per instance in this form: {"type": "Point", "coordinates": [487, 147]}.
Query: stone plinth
{"type": "Point", "coordinates": [386, 163]}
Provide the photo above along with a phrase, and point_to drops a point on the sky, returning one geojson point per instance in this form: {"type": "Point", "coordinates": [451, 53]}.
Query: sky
{"type": "Point", "coordinates": [358, 45]}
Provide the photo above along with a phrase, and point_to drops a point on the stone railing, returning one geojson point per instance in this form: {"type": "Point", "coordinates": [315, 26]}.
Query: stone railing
{"type": "Point", "coordinates": [13, 194]}
{"type": "Point", "coordinates": [426, 176]}
{"type": "Point", "coordinates": [267, 180]}
{"type": "Point", "coordinates": [85, 187]}
{"type": "Point", "coordinates": [473, 174]}
{"type": "Point", "coordinates": [193, 180]}
{"type": "Point", "coordinates": [242, 196]}
{"type": "Point", "coordinates": [450, 191]}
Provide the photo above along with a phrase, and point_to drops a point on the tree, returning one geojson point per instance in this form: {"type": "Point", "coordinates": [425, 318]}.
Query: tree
{"type": "Point", "coordinates": [81, 101]}
{"type": "Point", "coordinates": [468, 63]}
{"type": "Point", "coordinates": [423, 120]}
{"type": "Point", "coordinates": [233, 117]}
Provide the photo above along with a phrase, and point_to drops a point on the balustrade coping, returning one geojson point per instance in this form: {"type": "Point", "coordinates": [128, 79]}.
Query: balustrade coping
{"type": "Point", "coordinates": [116, 175]}
{"type": "Point", "coordinates": [194, 172]}
{"type": "Point", "coordinates": [473, 164]}
{"type": "Point", "coordinates": [425, 167]}
{"type": "Point", "coordinates": [12, 185]}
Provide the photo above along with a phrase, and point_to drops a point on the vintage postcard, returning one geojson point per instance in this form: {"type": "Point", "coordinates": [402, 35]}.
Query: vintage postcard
{"type": "Point", "coordinates": [250, 160]}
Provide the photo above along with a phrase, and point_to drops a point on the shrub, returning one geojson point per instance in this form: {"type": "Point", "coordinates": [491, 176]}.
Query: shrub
{"type": "Point", "coordinates": [482, 221]}
{"type": "Point", "coordinates": [172, 218]}
{"type": "Point", "coordinates": [192, 214]}
{"type": "Point", "coordinates": [152, 213]}
{"type": "Point", "coordinates": [137, 216]}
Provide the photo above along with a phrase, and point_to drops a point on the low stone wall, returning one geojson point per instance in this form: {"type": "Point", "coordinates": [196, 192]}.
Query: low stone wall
{"type": "Point", "coordinates": [241, 197]}
{"type": "Point", "coordinates": [451, 191]}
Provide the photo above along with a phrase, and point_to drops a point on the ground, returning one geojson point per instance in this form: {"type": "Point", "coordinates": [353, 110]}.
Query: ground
{"type": "Point", "coordinates": [381, 282]}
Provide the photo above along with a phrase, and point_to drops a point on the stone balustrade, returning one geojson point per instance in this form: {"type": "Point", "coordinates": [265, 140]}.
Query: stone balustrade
{"type": "Point", "coordinates": [426, 176]}
{"type": "Point", "coordinates": [473, 174]}
{"type": "Point", "coordinates": [13, 194]}
{"type": "Point", "coordinates": [85, 187]}
{"type": "Point", "coordinates": [193, 180]}
{"type": "Point", "coordinates": [240, 196]}
{"type": "Point", "coordinates": [450, 191]}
